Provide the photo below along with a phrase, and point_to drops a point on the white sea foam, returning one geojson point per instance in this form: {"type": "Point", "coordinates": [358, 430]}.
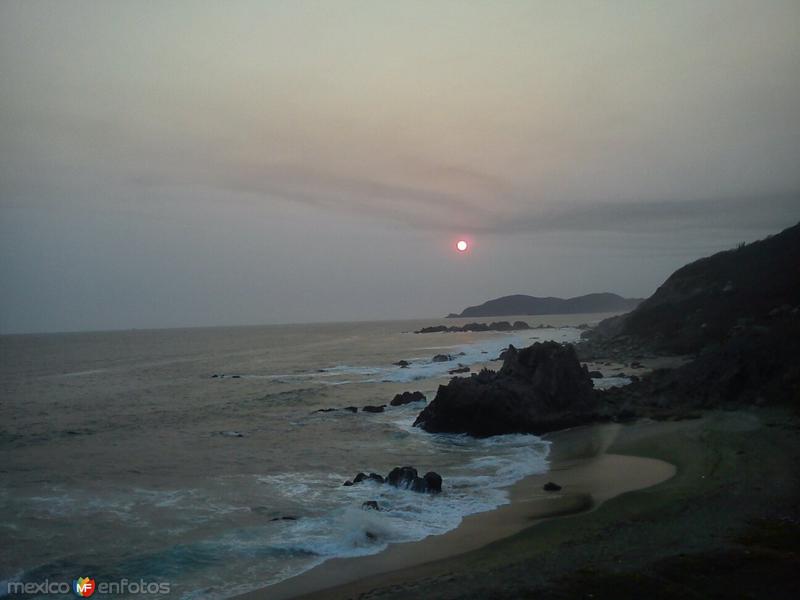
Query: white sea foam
{"type": "Point", "coordinates": [470, 487]}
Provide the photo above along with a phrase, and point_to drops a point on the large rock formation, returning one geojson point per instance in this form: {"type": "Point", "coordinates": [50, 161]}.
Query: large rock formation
{"type": "Point", "coordinates": [538, 389]}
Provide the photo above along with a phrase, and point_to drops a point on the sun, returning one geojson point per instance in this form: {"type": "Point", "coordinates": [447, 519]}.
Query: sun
{"type": "Point", "coordinates": [462, 245]}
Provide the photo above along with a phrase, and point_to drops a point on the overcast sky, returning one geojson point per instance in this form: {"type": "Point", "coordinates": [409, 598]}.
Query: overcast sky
{"type": "Point", "coordinates": [211, 163]}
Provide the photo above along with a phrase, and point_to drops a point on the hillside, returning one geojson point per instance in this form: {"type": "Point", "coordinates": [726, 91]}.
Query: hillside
{"type": "Point", "coordinates": [520, 304]}
{"type": "Point", "coordinates": [707, 301]}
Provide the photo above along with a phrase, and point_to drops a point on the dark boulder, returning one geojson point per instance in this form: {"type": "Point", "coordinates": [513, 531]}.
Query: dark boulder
{"type": "Point", "coordinates": [442, 358]}
{"type": "Point", "coordinates": [351, 408]}
{"type": "Point", "coordinates": [500, 326]}
{"type": "Point", "coordinates": [460, 369]}
{"type": "Point", "coordinates": [595, 374]}
{"type": "Point", "coordinates": [286, 518]}
{"type": "Point", "coordinates": [401, 477]}
{"type": "Point", "coordinates": [538, 389]}
{"type": "Point", "coordinates": [521, 325]}
{"type": "Point", "coordinates": [407, 397]}
{"type": "Point", "coordinates": [551, 487]}
{"type": "Point", "coordinates": [370, 505]}
{"type": "Point", "coordinates": [433, 482]}
{"type": "Point", "coordinates": [407, 478]}
{"type": "Point", "coordinates": [371, 477]}
{"type": "Point", "coordinates": [403, 364]}
{"type": "Point", "coordinates": [374, 409]}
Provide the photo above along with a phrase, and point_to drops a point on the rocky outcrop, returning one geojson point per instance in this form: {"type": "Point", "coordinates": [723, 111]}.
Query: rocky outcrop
{"type": "Point", "coordinates": [374, 409]}
{"type": "Point", "coordinates": [538, 389]}
{"type": "Point", "coordinates": [405, 478]}
{"type": "Point", "coordinates": [442, 358]}
{"type": "Point", "coordinates": [703, 303]}
{"type": "Point", "coordinates": [494, 326]}
{"type": "Point", "coordinates": [408, 397]}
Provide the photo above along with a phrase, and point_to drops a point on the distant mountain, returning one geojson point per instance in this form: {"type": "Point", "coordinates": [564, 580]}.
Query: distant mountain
{"type": "Point", "coordinates": [520, 304]}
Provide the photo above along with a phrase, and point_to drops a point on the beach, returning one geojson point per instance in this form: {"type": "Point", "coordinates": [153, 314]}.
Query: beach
{"type": "Point", "coordinates": [636, 498]}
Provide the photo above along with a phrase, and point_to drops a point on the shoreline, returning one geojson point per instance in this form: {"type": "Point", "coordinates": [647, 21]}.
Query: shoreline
{"type": "Point", "coordinates": [580, 463]}
{"type": "Point", "coordinates": [726, 525]}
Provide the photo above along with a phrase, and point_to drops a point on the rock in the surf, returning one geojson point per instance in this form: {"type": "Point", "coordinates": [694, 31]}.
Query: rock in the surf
{"type": "Point", "coordinates": [407, 397]}
{"type": "Point", "coordinates": [371, 477]}
{"type": "Point", "coordinates": [407, 478]}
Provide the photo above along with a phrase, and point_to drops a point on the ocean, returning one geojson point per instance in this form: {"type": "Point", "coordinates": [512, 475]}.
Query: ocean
{"type": "Point", "coordinates": [123, 456]}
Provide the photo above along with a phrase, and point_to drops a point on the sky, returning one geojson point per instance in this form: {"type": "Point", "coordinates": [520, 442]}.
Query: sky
{"type": "Point", "coordinates": [167, 164]}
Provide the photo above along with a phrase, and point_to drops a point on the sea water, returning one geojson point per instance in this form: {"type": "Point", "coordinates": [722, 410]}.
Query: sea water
{"type": "Point", "coordinates": [123, 456]}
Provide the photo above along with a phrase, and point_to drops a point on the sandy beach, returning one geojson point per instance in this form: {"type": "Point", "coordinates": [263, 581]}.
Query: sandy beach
{"type": "Point", "coordinates": [631, 495]}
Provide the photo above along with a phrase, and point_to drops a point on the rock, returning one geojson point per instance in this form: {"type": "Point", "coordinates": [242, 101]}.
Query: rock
{"type": "Point", "coordinates": [442, 358]}
{"type": "Point", "coordinates": [403, 364]}
{"type": "Point", "coordinates": [351, 408]}
{"type": "Point", "coordinates": [494, 326]}
{"type": "Point", "coordinates": [326, 410]}
{"type": "Point", "coordinates": [287, 518]}
{"type": "Point", "coordinates": [434, 329]}
{"type": "Point", "coordinates": [370, 505]}
{"type": "Point", "coordinates": [347, 483]}
{"type": "Point", "coordinates": [371, 477]}
{"type": "Point", "coordinates": [236, 376]}
{"type": "Point", "coordinates": [373, 409]}
{"type": "Point", "coordinates": [433, 482]}
{"type": "Point", "coordinates": [538, 389]}
{"type": "Point", "coordinates": [407, 397]}
{"type": "Point", "coordinates": [595, 374]}
{"type": "Point", "coordinates": [237, 434]}
{"type": "Point", "coordinates": [401, 477]}
{"type": "Point", "coordinates": [407, 478]}
{"type": "Point", "coordinates": [214, 376]}
{"type": "Point", "coordinates": [551, 487]}
{"type": "Point", "coordinates": [460, 369]}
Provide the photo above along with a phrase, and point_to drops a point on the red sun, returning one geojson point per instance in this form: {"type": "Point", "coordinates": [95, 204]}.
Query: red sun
{"type": "Point", "coordinates": [462, 245]}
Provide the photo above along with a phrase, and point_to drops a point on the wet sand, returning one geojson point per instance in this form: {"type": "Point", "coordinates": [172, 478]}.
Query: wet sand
{"type": "Point", "coordinates": [580, 463]}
